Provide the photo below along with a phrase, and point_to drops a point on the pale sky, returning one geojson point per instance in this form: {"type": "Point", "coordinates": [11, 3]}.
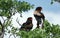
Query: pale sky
{"type": "Point", "coordinates": [51, 12]}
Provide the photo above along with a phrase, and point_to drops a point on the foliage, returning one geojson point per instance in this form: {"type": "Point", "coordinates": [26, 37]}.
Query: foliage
{"type": "Point", "coordinates": [49, 31]}
{"type": "Point", "coordinates": [8, 8]}
{"type": "Point", "coordinates": [52, 1]}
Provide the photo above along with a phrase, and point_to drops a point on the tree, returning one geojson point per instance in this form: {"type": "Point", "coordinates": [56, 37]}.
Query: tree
{"type": "Point", "coordinates": [49, 31]}
{"type": "Point", "coordinates": [55, 1]}
{"type": "Point", "coordinates": [8, 8]}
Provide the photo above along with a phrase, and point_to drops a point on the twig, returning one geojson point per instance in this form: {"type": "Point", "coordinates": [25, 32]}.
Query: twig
{"type": "Point", "coordinates": [18, 22]}
{"type": "Point", "coordinates": [11, 35]}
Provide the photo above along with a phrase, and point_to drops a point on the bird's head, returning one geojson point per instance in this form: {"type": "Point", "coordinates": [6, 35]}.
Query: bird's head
{"type": "Point", "coordinates": [30, 18]}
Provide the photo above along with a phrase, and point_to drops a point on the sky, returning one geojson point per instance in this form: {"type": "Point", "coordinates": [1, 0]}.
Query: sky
{"type": "Point", "coordinates": [51, 12]}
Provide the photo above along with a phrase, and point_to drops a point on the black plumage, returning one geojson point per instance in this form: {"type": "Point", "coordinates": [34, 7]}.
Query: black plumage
{"type": "Point", "coordinates": [27, 26]}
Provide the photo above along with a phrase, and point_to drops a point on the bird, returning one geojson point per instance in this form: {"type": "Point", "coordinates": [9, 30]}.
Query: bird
{"type": "Point", "coordinates": [27, 26]}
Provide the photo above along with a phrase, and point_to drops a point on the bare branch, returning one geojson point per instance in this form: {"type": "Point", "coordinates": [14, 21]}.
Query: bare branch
{"type": "Point", "coordinates": [11, 35]}
{"type": "Point", "coordinates": [18, 22]}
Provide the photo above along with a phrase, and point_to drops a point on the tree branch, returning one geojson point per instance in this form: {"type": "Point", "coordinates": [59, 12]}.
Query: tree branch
{"type": "Point", "coordinates": [18, 22]}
